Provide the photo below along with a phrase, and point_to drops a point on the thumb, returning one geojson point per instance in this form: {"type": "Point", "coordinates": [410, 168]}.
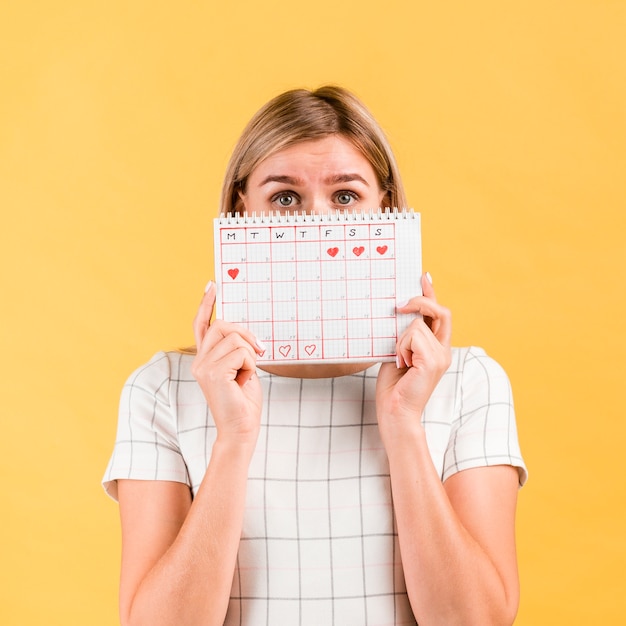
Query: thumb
{"type": "Point", "coordinates": [427, 286]}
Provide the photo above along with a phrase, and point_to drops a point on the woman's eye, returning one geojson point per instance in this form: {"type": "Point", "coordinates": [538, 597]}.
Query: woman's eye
{"type": "Point", "coordinates": [285, 200]}
{"type": "Point", "coordinates": [345, 197]}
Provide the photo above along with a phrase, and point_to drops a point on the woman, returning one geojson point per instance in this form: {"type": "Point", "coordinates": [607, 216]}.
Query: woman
{"type": "Point", "coordinates": [263, 495]}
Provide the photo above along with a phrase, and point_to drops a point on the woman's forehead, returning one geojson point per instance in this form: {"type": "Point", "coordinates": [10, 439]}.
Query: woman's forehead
{"type": "Point", "coordinates": [331, 154]}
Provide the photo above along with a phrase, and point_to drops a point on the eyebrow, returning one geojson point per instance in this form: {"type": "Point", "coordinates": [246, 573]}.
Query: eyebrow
{"type": "Point", "coordinates": [333, 179]}
{"type": "Point", "coordinates": [345, 178]}
{"type": "Point", "coordinates": [287, 180]}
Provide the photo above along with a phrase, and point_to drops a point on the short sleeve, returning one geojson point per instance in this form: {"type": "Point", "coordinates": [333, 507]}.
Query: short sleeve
{"type": "Point", "coordinates": [484, 432]}
{"type": "Point", "coordinates": [146, 445]}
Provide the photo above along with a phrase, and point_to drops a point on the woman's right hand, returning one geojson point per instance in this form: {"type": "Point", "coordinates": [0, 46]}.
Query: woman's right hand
{"type": "Point", "coordinates": [178, 552]}
{"type": "Point", "coordinates": [225, 368]}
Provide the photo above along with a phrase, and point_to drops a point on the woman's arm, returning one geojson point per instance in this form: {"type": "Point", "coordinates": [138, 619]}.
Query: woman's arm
{"type": "Point", "coordinates": [178, 558]}
{"type": "Point", "coordinates": [179, 555]}
{"type": "Point", "coordinates": [456, 539]}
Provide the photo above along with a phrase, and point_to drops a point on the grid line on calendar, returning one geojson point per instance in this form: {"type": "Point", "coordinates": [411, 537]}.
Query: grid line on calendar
{"type": "Point", "coordinates": [312, 291]}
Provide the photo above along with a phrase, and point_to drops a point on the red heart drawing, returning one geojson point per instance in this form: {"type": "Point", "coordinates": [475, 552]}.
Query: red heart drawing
{"type": "Point", "coordinates": [358, 251]}
{"type": "Point", "coordinates": [381, 249]}
{"type": "Point", "coordinates": [284, 350]}
{"type": "Point", "coordinates": [310, 349]}
{"type": "Point", "coordinates": [333, 251]}
{"type": "Point", "coordinates": [233, 273]}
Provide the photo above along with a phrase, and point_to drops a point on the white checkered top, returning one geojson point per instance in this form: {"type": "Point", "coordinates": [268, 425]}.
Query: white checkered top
{"type": "Point", "coordinates": [319, 544]}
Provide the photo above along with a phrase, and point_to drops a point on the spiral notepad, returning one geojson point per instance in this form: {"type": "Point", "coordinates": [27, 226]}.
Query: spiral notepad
{"type": "Point", "coordinates": [319, 288]}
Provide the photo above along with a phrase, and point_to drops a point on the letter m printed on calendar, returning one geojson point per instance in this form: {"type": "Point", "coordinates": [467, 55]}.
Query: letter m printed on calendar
{"type": "Point", "coordinates": [319, 288]}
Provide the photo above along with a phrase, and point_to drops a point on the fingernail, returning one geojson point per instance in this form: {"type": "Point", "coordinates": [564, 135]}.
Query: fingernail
{"type": "Point", "coordinates": [398, 363]}
{"type": "Point", "coordinates": [260, 346]}
{"type": "Point", "coordinates": [429, 277]}
{"type": "Point", "coordinates": [208, 286]}
{"type": "Point", "coordinates": [402, 304]}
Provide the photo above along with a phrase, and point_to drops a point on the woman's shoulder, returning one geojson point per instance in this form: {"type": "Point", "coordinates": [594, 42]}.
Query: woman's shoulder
{"type": "Point", "coordinates": [474, 359]}
{"type": "Point", "coordinates": [163, 367]}
{"type": "Point", "coordinates": [472, 371]}
{"type": "Point", "coordinates": [476, 379]}
{"type": "Point", "coordinates": [165, 385]}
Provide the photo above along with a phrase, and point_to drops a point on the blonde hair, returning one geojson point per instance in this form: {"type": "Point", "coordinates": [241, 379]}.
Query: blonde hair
{"type": "Point", "coordinates": [302, 115]}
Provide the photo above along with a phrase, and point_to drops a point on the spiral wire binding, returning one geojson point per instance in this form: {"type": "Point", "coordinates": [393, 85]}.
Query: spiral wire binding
{"type": "Point", "coordinates": [276, 217]}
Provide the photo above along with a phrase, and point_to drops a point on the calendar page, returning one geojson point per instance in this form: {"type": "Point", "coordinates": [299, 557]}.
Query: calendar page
{"type": "Point", "coordinates": [316, 288]}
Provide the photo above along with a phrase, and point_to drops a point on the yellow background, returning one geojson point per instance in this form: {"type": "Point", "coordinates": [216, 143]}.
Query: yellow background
{"type": "Point", "coordinates": [116, 121]}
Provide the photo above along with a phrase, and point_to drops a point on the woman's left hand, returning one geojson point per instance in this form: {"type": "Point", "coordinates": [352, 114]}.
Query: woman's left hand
{"type": "Point", "coordinates": [423, 355]}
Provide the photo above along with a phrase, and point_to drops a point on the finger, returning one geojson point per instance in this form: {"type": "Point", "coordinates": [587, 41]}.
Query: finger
{"type": "Point", "coordinates": [404, 352]}
{"type": "Point", "coordinates": [240, 363]}
{"type": "Point", "coordinates": [400, 362]}
{"type": "Point", "coordinates": [428, 292]}
{"type": "Point", "coordinates": [202, 321]}
{"type": "Point", "coordinates": [427, 286]}
{"type": "Point", "coordinates": [221, 330]}
{"type": "Point", "coordinates": [404, 356]}
{"type": "Point", "coordinates": [441, 327]}
{"type": "Point", "coordinates": [219, 343]}
{"type": "Point", "coordinates": [417, 339]}
{"type": "Point", "coordinates": [437, 319]}
{"type": "Point", "coordinates": [232, 360]}
{"type": "Point", "coordinates": [424, 305]}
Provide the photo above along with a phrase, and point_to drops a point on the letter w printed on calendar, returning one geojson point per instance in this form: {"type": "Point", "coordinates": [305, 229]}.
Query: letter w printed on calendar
{"type": "Point", "coordinates": [319, 288]}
